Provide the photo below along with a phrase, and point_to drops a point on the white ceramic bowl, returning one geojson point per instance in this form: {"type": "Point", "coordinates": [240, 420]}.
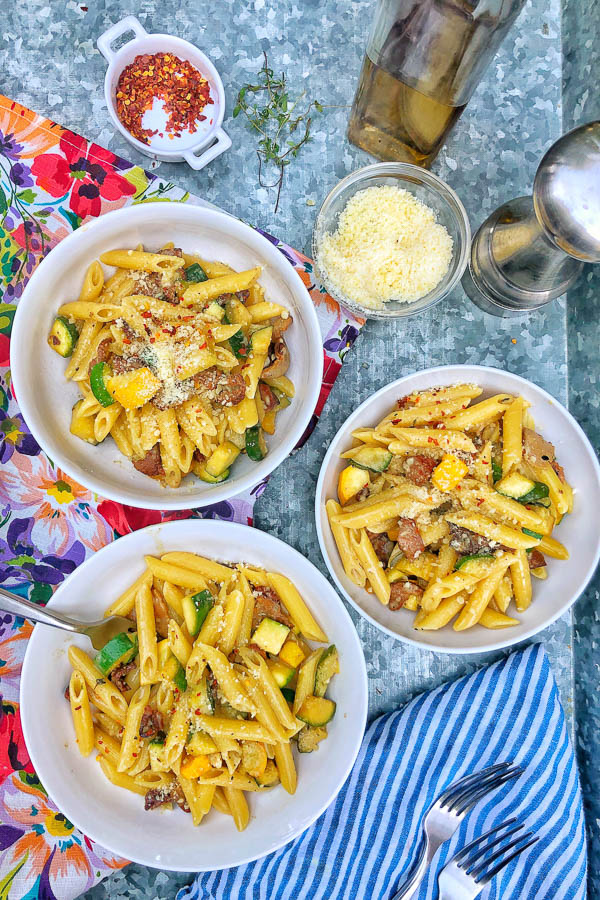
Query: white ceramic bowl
{"type": "Point", "coordinates": [114, 817]}
{"type": "Point", "coordinates": [578, 531]}
{"type": "Point", "coordinates": [197, 148]}
{"type": "Point", "coordinates": [46, 398]}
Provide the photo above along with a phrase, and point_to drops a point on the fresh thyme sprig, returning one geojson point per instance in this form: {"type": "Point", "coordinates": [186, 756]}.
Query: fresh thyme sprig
{"type": "Point", "coordinates": [276, 120]}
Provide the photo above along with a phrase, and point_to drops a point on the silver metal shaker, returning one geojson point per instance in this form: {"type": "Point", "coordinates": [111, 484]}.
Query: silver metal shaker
{"type": "Point", "coordinates": [532, 249]}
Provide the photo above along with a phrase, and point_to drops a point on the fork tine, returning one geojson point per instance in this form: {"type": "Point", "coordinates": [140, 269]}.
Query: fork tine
{"type": "Point", "coordinates": [472, 858]}
{"type": "Point", "coordinates": [469, 780]}
{"type": "Point", "coordinates": [468, 800]}
{"type": "Point", "coordinates": [464, 851]}
{"type": "Point", "coordinates": [484, 877]}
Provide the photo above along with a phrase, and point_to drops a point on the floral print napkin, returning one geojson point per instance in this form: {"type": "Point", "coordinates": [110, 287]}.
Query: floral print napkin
{"type": "Point", "coordinates": [52, 181]}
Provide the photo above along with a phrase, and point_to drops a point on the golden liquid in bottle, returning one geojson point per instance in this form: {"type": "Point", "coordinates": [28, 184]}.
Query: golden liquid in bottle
{"type": "Point", "coordinates": [393, 121]}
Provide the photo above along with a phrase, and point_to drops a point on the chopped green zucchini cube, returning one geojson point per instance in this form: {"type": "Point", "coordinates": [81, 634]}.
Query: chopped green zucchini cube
{"type": "Point", "coordinates": [63, 336]}
{"type": "Point", "coordinates": [195, 610]}
{"type": "Point", "coordinates": [256, 447]}
{"type": "Point", "coordinates": [515, 485]}
{"type": "Point", "coordinates": [118, 651]}
{"type": "Point", "coordinates": [316, 711]}
{"type": "Point", "coordinates": [329, 665]}
{"type": "Point", "coordinates": [375, 459]}
{"type": "Point", "coordinates": [309, 738]}
{"type": "Point", "coordinates": [195, 273]}
{"type": "Point", "coordinates": [270, 636]}
{"type": "Point", "coordinates": [281, 672]}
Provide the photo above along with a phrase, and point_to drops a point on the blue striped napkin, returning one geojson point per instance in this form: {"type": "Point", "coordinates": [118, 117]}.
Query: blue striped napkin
{"type": "Point", "coordinates": [362, 845]}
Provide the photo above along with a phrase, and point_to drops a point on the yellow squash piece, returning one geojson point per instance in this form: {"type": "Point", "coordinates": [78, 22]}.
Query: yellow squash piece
{"type": "Point", "coordinates": [133, 389]}
{"type": "Point", "coordinates": [254, 758]}
{"type": "Point", "coordinates": [291, 654]}
{"type": "Point", "coordinates": [196, 766]}
{"type": "Point", "coordinates": [351, 481]}
{"type": "Point", "coordinates": [449, 472]}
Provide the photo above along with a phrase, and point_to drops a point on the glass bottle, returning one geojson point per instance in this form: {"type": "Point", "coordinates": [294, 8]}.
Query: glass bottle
{"type": "Point", "coordinates": [423, 62]}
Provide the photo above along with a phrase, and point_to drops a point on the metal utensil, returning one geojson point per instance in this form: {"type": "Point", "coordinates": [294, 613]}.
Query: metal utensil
{"type": "Point", "coordinates": [99, 633]}
{"type": "Point", "coordinates": [448, 811]}
{"type": "Point", "coordinates": [532, 249]}
{"type": "Point", "coordinates": [467, 873]}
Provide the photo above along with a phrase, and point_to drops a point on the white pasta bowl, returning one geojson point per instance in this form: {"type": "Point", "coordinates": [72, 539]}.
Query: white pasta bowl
{"type": "Point", "coordinates": [578, 531]}
{"type": "Point", "coordinates": [46, 397]}
{"type": "Point", "coordinates": [115, 818]}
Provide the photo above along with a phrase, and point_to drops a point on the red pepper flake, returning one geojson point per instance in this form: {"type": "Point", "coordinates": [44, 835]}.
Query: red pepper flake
{"type": "Point", "coordinates": [480, 501]}
{"type": "Point", "coordinates": [152, 340]}
{"type": "Point", "coordinates": [77, 707]}
{"type": "Point", "coordinates": [126, 341]}
{"type": "Point", "coordinates": [182, 88]}
{"type": "Point", "coordinates": [134, 755]}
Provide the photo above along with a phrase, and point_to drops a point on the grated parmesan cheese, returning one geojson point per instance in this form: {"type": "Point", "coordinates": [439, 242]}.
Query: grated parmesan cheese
{"type": "Point", "coordinates": [387, 246]}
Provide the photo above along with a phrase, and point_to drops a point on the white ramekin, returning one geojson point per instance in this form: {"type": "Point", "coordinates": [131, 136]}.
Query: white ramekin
{"type": "Point", "coordinates": [197, 148]}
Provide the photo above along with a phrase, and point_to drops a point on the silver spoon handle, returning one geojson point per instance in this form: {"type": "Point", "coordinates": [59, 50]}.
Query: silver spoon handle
{"type": "Point", "coordinates": [17, 606]}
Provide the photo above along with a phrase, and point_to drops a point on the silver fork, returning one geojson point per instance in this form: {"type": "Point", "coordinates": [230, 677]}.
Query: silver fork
{"type": "Point", "coordinates": [99, 633]}
{"type": "Point", "coordinates": [446, 814]}
{"type": "Point", "coordinates": [467, 873]}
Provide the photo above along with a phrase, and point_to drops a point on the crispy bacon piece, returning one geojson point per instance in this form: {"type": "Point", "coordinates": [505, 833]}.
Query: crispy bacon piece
{"type": "Point", "coordinates": [268, 397]}
{"type": "Point", "coordinates": [404, 402]}
{"type": "Point", "coordinates": [151, 723]}
{"type": "Point", "coordinates": [381, 545]}
{"type": "Point", "coordinates": [268, 605]}
{"type": "Point", "coordinates": [118, 676]}
{"type": "Point", "coordinates": [418, 468]}
{"type": "Point", "coordinates": [102, 354]}
{"type": "Point", "coordinates": [409, 539]}
{"type": "Point", "coordinates": [170, 793]}
{"type": "Point", "coordinates": [536, 449]}
{"type": "Point", "coordinates": [172, 251]}
{"type": "Point", "coordinates": [536, 559]}
{"type": "Point", "coordinates": [400, 592]}
{"type": "Point", "coordinates": [279, 326]}
{"type": "Point", "coordinates": [559, 471]}
{"type": "Point", "coordinates": [121, 364]}
{"type": "Point", "coordinates": [467, 542]}
{"type": "Point", "coordinates": [151, 463]}
{"type": "Point", "coordinates": [257, 649]}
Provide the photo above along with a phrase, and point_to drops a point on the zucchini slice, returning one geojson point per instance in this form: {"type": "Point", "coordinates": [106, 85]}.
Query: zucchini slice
{"type": "Point", "coordinates": [221, 459]}
{"type": "Point", "coordinates": [538, 493]}
{"type": "Point", "coordinates": [465, 559]}
{"type": "Point", "coordinates": [281, 672]}
{"type": "Point", "coordinates": [288, 693]}
{"type": "Point", "coordinates": [100, 372]}
{"type": "Point", "coordinates": [327, 667]}
{"type": "Point", "coordinates": [316, 711]}
{"type": "Point", "coordinates": [375, 459]}
{"type": "Point", "coordinates": [63, 336]}
{"type": "Point", "coordinates": [515, 485]}
{"type": "Point", "coordinates": [195, 610]}
{"type": "Point", "coordinates": [496, 471]}
{"type": "Point", "coordinates": [310, 738]}
{"type": "Point", "coordinates": [200, 470]}
{"type": "Point", "coordinates": [200, 744]}
{"type": "Point", "coordinates": [237, 341]}
{"type": "Point", "coordinates": [270, 635]}
{"type": "Point", "coordinates": [214, 310]}
{"type": "Point", "coordinates": [261, 340]}
{"type": "Point", "coordinates": [119, 650]}
{"type": "Point", "coordinates": [269, 777]}
{"type": "Point", "coordinates": [256, 447]}
{"type": "Point", "coordinates": [195, 273]}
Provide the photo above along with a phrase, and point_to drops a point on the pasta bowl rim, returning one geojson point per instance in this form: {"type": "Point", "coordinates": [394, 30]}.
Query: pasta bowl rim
{"type": "Point", "coordinates": [23, 360]}
{"type": "Point", "coordinates": [466, 373]}
{"type": "Point", "coordinates": [324, 600]}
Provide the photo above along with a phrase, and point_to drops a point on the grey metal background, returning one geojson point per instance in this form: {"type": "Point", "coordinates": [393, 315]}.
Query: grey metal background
{"type": "Point", "coordinates": [543, 81]}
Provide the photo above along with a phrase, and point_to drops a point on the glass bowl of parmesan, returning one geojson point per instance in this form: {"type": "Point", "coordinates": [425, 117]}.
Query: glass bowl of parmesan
{"type": "Point", "coordinates": [390, 240]}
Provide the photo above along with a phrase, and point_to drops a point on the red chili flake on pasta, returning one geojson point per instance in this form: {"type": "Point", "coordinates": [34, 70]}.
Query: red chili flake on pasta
{"type": "Point", "coordinates": [146, 314]}
{"type": "Point", "coordinates": [163, 76]}
{"type": "Point", "coordinates": [134, 755]}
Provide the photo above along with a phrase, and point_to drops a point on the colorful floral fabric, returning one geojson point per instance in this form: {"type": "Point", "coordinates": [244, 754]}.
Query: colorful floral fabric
{"type": "Point", "coordinates": [51, 182]}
